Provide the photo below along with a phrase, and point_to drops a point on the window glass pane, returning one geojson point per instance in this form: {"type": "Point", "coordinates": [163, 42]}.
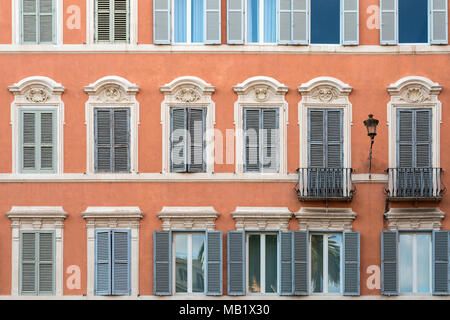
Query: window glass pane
{"type": "Point", "coordinates": [181, 255]}
{"type": "Point", "coordinates": [197, 21]}
{"type": "Point", "coordinates": [334, 263]}
{"type": "Point", "coordinates": [413, 21]}
{"type": "Point", "coordinates": [317, 263]}
{"type": "Point", "coordinates": [253, 21]}
{"type": "Point", "coordinates": [254, 263]}
{"type": "Point", "coordinates": [423, 263]}
{"type": "Point", "coordinates": [325, 21]}
{"type": "Point", "coordinates": [406, 263]}
{"type": "Point", "coordinates": [271, 263]}
{"type": "Point", "coordinates": [198, 262]}
{"type": "Point", "coordinates": [180, 21]}
{"type": "Point", "coordinates": [270, 21]}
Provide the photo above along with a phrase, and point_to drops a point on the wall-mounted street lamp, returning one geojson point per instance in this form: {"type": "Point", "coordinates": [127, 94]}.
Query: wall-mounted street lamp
{"type": "Point", "coordinates": [371, 125]}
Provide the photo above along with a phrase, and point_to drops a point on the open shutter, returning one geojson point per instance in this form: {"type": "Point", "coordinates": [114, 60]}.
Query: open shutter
{"type": "Point", "coordinates": [121, 151]}
{"type": "Point", "coordinates": [102, 262]}
{"type": "Point", "coordinates": [29, 21]}
{"type": "Point", "coordinates": [178, 139]}
{"type": "Point", "coordinates": [103, 140]}
{"type": "Point", "coordinates": [161, 21]}
{"type": "Point", "coordinates": [47, 141]}
{"type": "Point", "coordinates": [440, 262]}
{"type": "Point", "coordinates": [236, 263]}
{"type": "Point", "coordinates": [121, 23]}
{"type": "Point", "coordinates": [286, 263]}
{"type": "Point", "coordinates": [214, 263]}
{"type": "Point", "coordinates": [235, 21]}
{"type": "Point", "coordinates": [212, 21]}
{"type": "Point", "coordinates": [121, 265]}
{"type": "Point", "coordinates": [29, 140]}
{"type": "Point", "coordinates": [28, 263]}
{"type": "Point", "coordinates": [439, 21]}
{"type": "Point", "coordinates": [103, 20]}
{"type": "Point", "coordinates": [46, 21]}
{"type": "Point", "coordinates": [162, 267]}
{"type": "Point", "coordinates": [252, 118]}
{"type": "Point", "coordinates": [196, 149]}
{"type": "Point", "coordinates": [389, 263]}
{"type": "Point", "coordinates": [388, 21]}
{"type": "Point", "coordinates": [350, 22]}
{"type": "Point", "coordinates": [270, 139]}
{"type": "Point", "coordinates": [351, 263]}
{"type": "Point", "coordinates": [301, 257]}
{"type": "Point", "coordinates": [46, 263]}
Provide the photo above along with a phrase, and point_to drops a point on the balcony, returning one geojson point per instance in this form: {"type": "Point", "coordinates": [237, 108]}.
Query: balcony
{"type": "Point", "coordinates": [330, 184]}
{"type": "Point", "coordinates": [417, 184]}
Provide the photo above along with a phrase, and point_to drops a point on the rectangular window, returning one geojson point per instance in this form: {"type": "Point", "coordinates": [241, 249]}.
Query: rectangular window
{"type": "Point", "coordinates": [190, 262]}
{"type": "Point", "coordinates": [262, 21]}
{"type": "Point", "coordinates": [38, 21]}
{"type": "Point", "coordinates": [325, 21]}
{"type": "Point", "coordinates": [112, 139]}
{"type": "Point", "coordinates": [326, 263]}
{"type": "Point", "coordinates": [188, 21]}
{"type": "Point", "coordinates": [262, 253]}
{"type": "Point", "coordinates": [37, 263]}
{"type": "Point", "coordinates": [112, 21]}
{"type": "Point", "coordinates": [37, 141]}
{"type": "Point", "coordinates": [413, 21]}
{"type": "Point", "coordinates": [415, 262]}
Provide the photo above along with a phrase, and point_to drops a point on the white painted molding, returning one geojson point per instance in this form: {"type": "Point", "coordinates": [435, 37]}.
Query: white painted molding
{"type": "Point", "coordinates": [306, 88]}
{"type": "Point", "coordinates": [53, 87]}
{"type": "Point", "coordinates": [415, 218]}
{"type": "Point", "coordinates": [324, 219]}
{"type": "Point", "coordinates": [244, 87]}
{"type": "Point", "coordinates": [36, 218]}
{"type": "Point", "coordinates": [262, 218]}
{"type": "Point", "coordinates": [188, 218]}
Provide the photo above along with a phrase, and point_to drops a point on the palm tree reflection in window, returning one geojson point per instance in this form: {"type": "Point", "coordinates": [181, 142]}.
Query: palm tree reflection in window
{"type": "Point", "coordinates": [332, 269]}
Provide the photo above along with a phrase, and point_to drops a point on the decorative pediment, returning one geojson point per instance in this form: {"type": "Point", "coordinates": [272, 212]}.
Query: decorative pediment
{"type": "Point", "coordinates": [187, 88]}
{"type": "Point", "coordinates": [325, 90]}
{"type": "Point", "coordinates": [324, 219]}
{"type": "Point", "coordinates": [325, 93]}
{"type": "Point", "coordinates": [112, 93]}
{"type": "Point", "coordinates": [37, 89]}
{"type": "Point", "coordinates": [262, 218]}
{"type": "Point", "coordinates": [112, 89]}
{"type": "Point", "coordinates": [261, 88]}
{"type": "Point", "coordinates": [415, 218]}
{"type": "Point", "coordinates": [188, 218]}
{"type": "Point", "coordinates": [414, 90]}
{"type": "Point", "coordinates": [37, 94]}
{"type": "Point", "coordinates": [187, 95]}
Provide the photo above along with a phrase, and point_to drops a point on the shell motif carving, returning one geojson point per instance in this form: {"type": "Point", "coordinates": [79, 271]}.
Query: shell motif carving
{"type": "Point", "coordinates": [261, 94]}
{"type": "Point", "coordinates": [324, 93]}
{"type": "Point", "coordinates": [187, 95]}
{"type": "Point", "coordinates": [37, 95]}
{"type": "Point", "coordinates": [112, 94]}
{"type": "Point", "coordinates": [414, 95]}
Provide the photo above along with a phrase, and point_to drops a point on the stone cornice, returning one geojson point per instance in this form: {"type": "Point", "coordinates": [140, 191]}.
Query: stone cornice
{"type": "Point", "coordinates": [112, 213]}
{"type": "Point", "coordinates": [188, 218]}
{"type": "Point", "coordinates": [37, 212]}
{"type": "Point", "coordinates": [414, 218]}
{"type": "Point", "coordinates": [262, 218]}
{"type": "Point", "coordinates": [337, 219]}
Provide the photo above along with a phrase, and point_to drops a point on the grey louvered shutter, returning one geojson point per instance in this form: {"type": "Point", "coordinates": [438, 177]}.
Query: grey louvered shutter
{"type": "Point", "coordinates": [212, 22]}
{"type": "Point", "coordinates": [316, 138]}
{"type": "Point", "coordinates": [121, 20]}
{"type": "Point", "coordinates": [270, 140]}
{"type": "Point", "coordinates": [286, 263]}
{"type": "Point", "coordinates": [301, 258]}
{"type": "Point", "coordinates": [121, 135]}
{"type": "Point", "coordinates": [29, 21]}
{"type": "Point", "coordinates": [334, 138]}
{"type": "Point", "coordinates": [47, 150]}
{"type": "Point", "coordinates": [121, 262]}
{"type": "Point", "coordinates": [350, 22]}
{"type": "Point", "coordinates": [214, 263]}
{"type": "Point", "coordinates": [197, 143]}
{"type": "Point", "coordinates": [178, 140]}
{"type": "Point", "coordinates": [405, 138]}
{"type": "Point", "coordinates": [103, 140]}
{"type": "Point", "coordinates": [46, 21]}
{"type": "Point", "coordinates": [236, 263]}
{"type": "Point", "coordinates": [351, 263]}
{"type": "Point", "coordinates": [389, 263]}
{"type": "Point", "coordinates": [161, 21]}
{"type": "Point", "coordinates": [162, 266]}
{"type": "Point", "coordinates": [28, 263]}
{"type": "Point", "coordinates": [440, 262]}
{"type": "Point", "coordinates": [252, 118]}
{"type": "Point", "coordinates": [103, 20]}
{"type": "Point", "coordinates": [103, 262]}
{"type": "Point", "coordinates": [423, 138]}
{"type": "Point", "coordinates": [439, 21]}
{"type": "Point", "coordinates": [29, 143]}
{"type": "Point", "coordinates": [46, 263]}
{"type": "Point", "coordinates": [285, 21]}
{"type": "Point", "coordinates": [293, 22]}
{"type": "Point", "coordinates": [388, 21]}
{"type": "Point", "coordinates": [235, 21]}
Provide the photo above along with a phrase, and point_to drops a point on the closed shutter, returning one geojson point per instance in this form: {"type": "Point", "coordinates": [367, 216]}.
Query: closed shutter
{"type": "Point", "coordinates": [103, 140]}
{"type": "Point", "coordinates": [112, 20]}
{"type": "Point", "coordinates": [161, 21]}
{"type": "Point", "coordinates": [29, 142]}
{"type": "Point", "coordinates": [28, 263]}
{"type": "Point", "coordinates": [351, 263]}
{"type": "Point", "coordinates": [251, 140]}
{"type": "Point", "coordinates": [162, 269]}
{"type": "Point", "coordinates": [46, 21]}
{"type": "Point", "coordinates": [439, 21]}
{"type": "Point", "coordinates": [103, 20]}
{"type": "Point", "coordinates": [236, 263]}
{"type": "Point", "coordinates": [293, 22]}
{"type": "Point", "coordinates": [121, 134]}
{"type": "Point", "coordinates": [121, 265]}
{"type": "Point", "coordinates": [214, 263]}
{"type": "Point", "coordinates": [103, 284]}
{"type": "Point", "coordinates": [235, 21]}
{"type": "Point", "coordinates": [440, 262]}
{"type": "Point", "coordinates": [286, 263]}
{"type": "Point", "coordinates": [178, 140]}
{"type": "Point", "coordinates": [350, 22]}
{"type": "Point", "coordinates": [196, 145]}
{"type": "Point", "coordinates": [301, 258]}
{"type": "Point", "coordinates": [389, 263]}
{"type": "Point", "coordinates": [29, 21]}
{"type": "Point", "coordinates": [38, 21]}
{"type": "Point", "coordinates": [46, 263]}
{"type": "Point", "coordinates": [212, 18]}
{"type": "Point", "coordinates": [388, 20]}
{"type": "Point", "coordinates": [270, 140]}
{"type": "Point", "coordinates": [121, 20]}
{"type": "Point", "coordinates": [47, 136]}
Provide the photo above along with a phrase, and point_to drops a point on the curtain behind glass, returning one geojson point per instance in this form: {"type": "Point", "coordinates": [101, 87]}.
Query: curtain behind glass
{"type": "Point", "coordinates": [180, 15]}
{"type": "Point", "coordinates": [270, 21]}
{"type": "Point", "coordinates": [197, 21]}
{"type": "Point", "coordinates": [253, 21]}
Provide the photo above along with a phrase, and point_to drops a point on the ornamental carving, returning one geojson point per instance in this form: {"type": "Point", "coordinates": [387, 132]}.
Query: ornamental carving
{"type": "Point", "coordinates": [414, 95]}
{"type": "Point", "coordinates": [325, 93]}
{"type": "Point", "coordinates": [261, 94]}
{"type": "Point", "coordinates": [37, 95]}
{"type": "Point", "coordinates": [112, 94]}
{"type": "Point", "coordinates": [187, 95]}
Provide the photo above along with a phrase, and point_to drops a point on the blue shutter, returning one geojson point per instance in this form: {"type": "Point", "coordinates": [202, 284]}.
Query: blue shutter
{"type": "Point", "coordinates": [102, 262]}
{"type": "Point", "coordinates": [212, 22]}
{"type": "Point", "coordinates": [301, 263]}
{"type": "Point", "coordinates": [350, 22]}
{"type": "Point", "coordinates": [440, 262]}
{"type": "Point", "coordinates": [178, 139]}
{"type": "Point", "coordinates": [162, 266]}
{"type": "Point", "coordinates": [103, 139]}
{"type": "Point", "coordinates": [286, 263]}
{"type": "Point", "coordinates": [351, 263]}
{"type": "Point", "coordinates": [214, 263]}
{"type": "Point", "coordinates": [439, 22]}
{"type": "Point", "coordinates": [236, 263]}
{"type": "Point", "coordinates": [121, 262]}
{"type": "Point", "coordinates": [235, 21]}
{"type": "Point", "coordinates": [389, 22]}
{"type": "Point", "coordinates": [161, 21]}
{"type": "Point", "coordinates": [389, 263]}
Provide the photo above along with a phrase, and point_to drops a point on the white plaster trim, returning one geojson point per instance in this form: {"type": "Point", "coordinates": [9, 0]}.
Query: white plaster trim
{"type": "Point", "coordinates": [324, 219]}
{"type": "Point", "coordinates": [262, 218]}
{"type": "Point", "coordinates": [125, 98]}
{"type": "Point", "coordinates": [52, 92]}
{"type": "Point", "coordinates": [188, 218]}
{"type": "Point", "coordinates": [427, 218]}
{"type": "Point", "coordinates": [112, 218]}
{"type": "Point", "coordinates": [203, 92]}
{"type": "Point", "coordinates": [36, 218]}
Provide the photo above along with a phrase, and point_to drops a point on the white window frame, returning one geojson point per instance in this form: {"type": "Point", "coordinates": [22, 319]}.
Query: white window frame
{"type": "Point", "coordinates": [260, 92]}
{"type": "Point", "coordinates": [188, 23]}
{"type": "Point", "coordinates": [261, 24]}
{"type": "Point", "coordinates": [37, 93]}
{"type": "Point", "coordinates": [36, 219]}
{"type": "Point", "coordinates": [111, 92]}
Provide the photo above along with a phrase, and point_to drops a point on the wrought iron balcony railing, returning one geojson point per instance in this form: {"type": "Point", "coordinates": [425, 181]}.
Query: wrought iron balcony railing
{"type": "Point", "coordinates": [415, 184]}
{"type": "Point", "coordinates": [333, 184]}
